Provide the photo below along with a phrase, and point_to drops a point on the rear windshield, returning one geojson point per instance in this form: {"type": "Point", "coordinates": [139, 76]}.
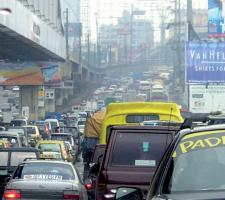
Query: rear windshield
{"type": "Point", "coordinates": [81, 123]}
{"type": "Point", "coordinates": [12, 140]}
{"type": "Point", "coordinates": [62, 138]}
{"type": "Point", "coordinates": [45, 172]}
{"type": "Point", "coordinates": [4, 159]}
{"type": "Point", "coordinates": [18, 157]}
{"type": "Point", "coordinates": [31, 130]}
{"type": "Point", "coordinates": [15, 130]}
{"type": "Point", "coordinates": [139, 149]}
{"type": "Point", "coordinates": [50, 147]}
{"type": "Point", "coordinates": [17, 123]}
{"type": "Point", "coordinates": [141, 118]}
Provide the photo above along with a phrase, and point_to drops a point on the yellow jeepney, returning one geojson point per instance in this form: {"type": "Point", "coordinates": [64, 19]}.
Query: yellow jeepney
{"type": "Point", "coordinates": [133, 113]}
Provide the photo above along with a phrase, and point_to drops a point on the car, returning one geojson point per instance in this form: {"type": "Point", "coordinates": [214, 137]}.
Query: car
{"type": "Point", "coordinates": [10, 158]}
{"type": "Point", "coordinates": [54, 149]}
{"type": "Point", "coordinates": [14, 139]}
{"type": "Point", "coordinates": [18, 129]}
{"type": "Point", "coordinates": [132, 155]}
{"type": "Point", "coordinates": [192, 168]}
{"type": "Point", "coordinates": [81, 124]}
{"type": "Point", "coordinates": [44, 179]}
{"type": "Point", "coordinates": [53, 125]}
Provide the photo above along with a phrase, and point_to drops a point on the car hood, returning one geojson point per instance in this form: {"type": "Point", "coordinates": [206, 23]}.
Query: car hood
{"type": "Point", "coordinates": [204, 195]}
{"type": "Point", "coordinates": [38, 184]}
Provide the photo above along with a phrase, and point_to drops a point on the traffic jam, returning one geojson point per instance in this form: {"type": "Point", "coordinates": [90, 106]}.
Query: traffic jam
{"type": "Point", "coordinates": [129, 150]}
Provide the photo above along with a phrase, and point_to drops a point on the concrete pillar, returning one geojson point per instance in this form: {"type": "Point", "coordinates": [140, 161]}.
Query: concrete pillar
{"type": "Point", "coordinates": [29, 98]}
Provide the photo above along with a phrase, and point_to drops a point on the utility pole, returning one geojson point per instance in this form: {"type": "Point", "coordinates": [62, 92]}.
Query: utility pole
{"type": "Point", "coordinates": [67, 33]}
{"type": "Point", "coordinates": [189, 11]}
{"type": "Point", "coordinates": [88, 50]}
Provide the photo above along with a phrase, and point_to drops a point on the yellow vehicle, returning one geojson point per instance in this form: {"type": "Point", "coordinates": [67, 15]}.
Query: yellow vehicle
{"type": "Point", "coordinates": [133, 113]}
{"type": "Point", "coordinates": [54, 149]}
{"type": "Point", "coordinates": [4, 144]}
{"type": "Point", "coordinates": [33, 131]}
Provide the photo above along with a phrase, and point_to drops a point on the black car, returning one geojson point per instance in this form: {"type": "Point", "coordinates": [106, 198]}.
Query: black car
{"type": "Point", "coordinates": [10, 158]}
{"type": "Point", "coordinates": [192, 168]}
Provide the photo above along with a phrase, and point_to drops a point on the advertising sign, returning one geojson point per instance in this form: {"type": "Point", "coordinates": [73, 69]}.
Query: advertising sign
{"type": "Point", "coordinates": [204, 99]}
{"type": "Point", "coordinates": [50, 94]}
{"type": "Point", "coordinates": [205, 62]}
{"type": "Point", "coordinates": [51, 73]}
{"type": "Point", "coordinates": [216, 14]}
{"type": "Point", "coordinates": [41, 96]}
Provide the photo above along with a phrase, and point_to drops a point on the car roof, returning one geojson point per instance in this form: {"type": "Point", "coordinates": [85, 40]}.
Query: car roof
{"type": "Point", "coordinates": [69, 134]}
{"type": "Point", "coordinates": [218, 127]}
{"type": "Point", "coordinates": [51, 142]}
{"type": "Point", "coordinates": [9, 133]}
{"type": "Point", "coordinates": [47, 161]}
{"type": "Point", "coordinates": [20, 149]}
{"type": "Point", "coordinates": [138, 127]}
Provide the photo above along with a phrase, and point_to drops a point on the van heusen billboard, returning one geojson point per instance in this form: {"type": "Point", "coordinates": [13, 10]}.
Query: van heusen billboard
{"type": "Point", "coordinates": [205, 62]}
{"type": "Point", "coordinates": [206, 99]}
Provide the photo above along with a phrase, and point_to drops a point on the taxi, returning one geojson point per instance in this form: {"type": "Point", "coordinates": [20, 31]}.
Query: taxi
{"type": "Point", "coordinates": [4, 144]}
{"type": "Point", "coordinates": [54, 149]}
{"type": "Point", "coordinates": [134, 113]}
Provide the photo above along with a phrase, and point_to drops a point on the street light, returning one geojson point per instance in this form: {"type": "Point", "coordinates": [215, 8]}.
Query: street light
{"type": "Point", "coordinates": [5, 11]}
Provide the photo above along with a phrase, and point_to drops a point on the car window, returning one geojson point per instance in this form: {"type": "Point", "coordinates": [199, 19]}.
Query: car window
{"type": "Point", "coordinates": [141, 118]}
{"type": "Point", "coordinates": [4, 158]}
{"type": "Point", "coordinates": [20, 131]}
{"type": "Point", "coordinates": [81, 122]}
{"type": "Point", "coordinates": [147, 149]}
{"type": "Point", "coordinates": [197, 164]}
{"type": "Point", "coordinates": [50, 147]}
{"type": "Point", "coordinates": [45, 171]}
{"type": "Point", "coordinates": [18, 157]}
{"type": "Point", "coordinates": [31, 130]}
{"type": "Point", "coordinates": [12, 140]}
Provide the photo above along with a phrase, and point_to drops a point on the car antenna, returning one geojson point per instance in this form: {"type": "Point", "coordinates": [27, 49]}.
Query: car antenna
{"type": "Point", "coordinates": [171, 111]}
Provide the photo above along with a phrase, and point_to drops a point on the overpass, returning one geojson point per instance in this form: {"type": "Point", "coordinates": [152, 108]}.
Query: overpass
{"type": "Point", "coordinates": [32, 46]}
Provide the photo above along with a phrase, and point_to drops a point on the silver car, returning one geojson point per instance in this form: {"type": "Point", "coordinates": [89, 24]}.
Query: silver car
{"type": "Point", "coordinates": [46, 180]}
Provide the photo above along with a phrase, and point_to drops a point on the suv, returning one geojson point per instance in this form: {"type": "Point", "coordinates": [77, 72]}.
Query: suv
{"type": "Point", "coordinates": [192, 168]}
{"type": "Point", "coordinates": [10, 158]}
{"type": "Point", "coordinates": [131, 157]}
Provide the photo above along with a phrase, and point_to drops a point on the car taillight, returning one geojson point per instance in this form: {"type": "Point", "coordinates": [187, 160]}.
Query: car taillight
{"type": "Point", "coordinates": [89, 186]}
{"type": "Point", "coordinates": [73, 195]}
{"type": "Point", "coordinates": [12, 194]}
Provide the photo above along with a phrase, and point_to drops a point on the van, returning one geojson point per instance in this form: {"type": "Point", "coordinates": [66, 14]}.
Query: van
{"type": "Point", "coordinates": [133, 113]}
{"type": "Point", "coordinates": [131, 157]}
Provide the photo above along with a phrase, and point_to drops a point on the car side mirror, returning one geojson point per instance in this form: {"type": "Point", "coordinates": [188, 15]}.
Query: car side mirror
{"type": "Point", "coordinates": [127, 193]}
{"type": "Point", "coordinates": [94, 170]}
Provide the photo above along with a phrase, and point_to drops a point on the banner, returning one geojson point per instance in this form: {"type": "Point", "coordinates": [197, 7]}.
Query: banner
{"type": "Point", "coordinates": [216, 15]}
{"type": "Point", "coordinates": [206, 99]}
{"type": "Point", "coordinates": [205, 62]}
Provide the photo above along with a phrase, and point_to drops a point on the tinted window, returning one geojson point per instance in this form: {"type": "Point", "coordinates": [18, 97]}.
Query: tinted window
{"type": "Point", "coordinates": [139, 149]}
{"type": "Point", "coordinates": [197, 164]}
{"type": "Point", "coordinates": [45, 171]}
{"type": "Point", "coordinates": [50, 147]}
{"type": "Point", "coordinates": [18, 157]}
{"type": "Point", "coordinates": [4, 158]}
{"type": "Point", "coordinates": [17, 123]}
{"type": "Point", "coordinates": [141, 118]}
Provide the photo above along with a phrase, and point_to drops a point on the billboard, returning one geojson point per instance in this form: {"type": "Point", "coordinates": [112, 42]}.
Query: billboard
{"type": "Point", "coordinates": [205, 62]}
{"type": "Point", "coordinates": [216, 15]}
{"type": "Point", "coordinates": [208, 99]}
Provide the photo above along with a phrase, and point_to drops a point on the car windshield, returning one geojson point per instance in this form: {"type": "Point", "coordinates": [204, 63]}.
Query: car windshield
{"type": "Point", "coordinates": [147, 149]}
{"type": "Point", "coordinates": [50, 147]}
{"type": "Point", "coordinates": [45, 172]}
{"type": "Point", "coordinates": [197, 164]}
{"type": "Point", "coordinates": [18, 157]}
